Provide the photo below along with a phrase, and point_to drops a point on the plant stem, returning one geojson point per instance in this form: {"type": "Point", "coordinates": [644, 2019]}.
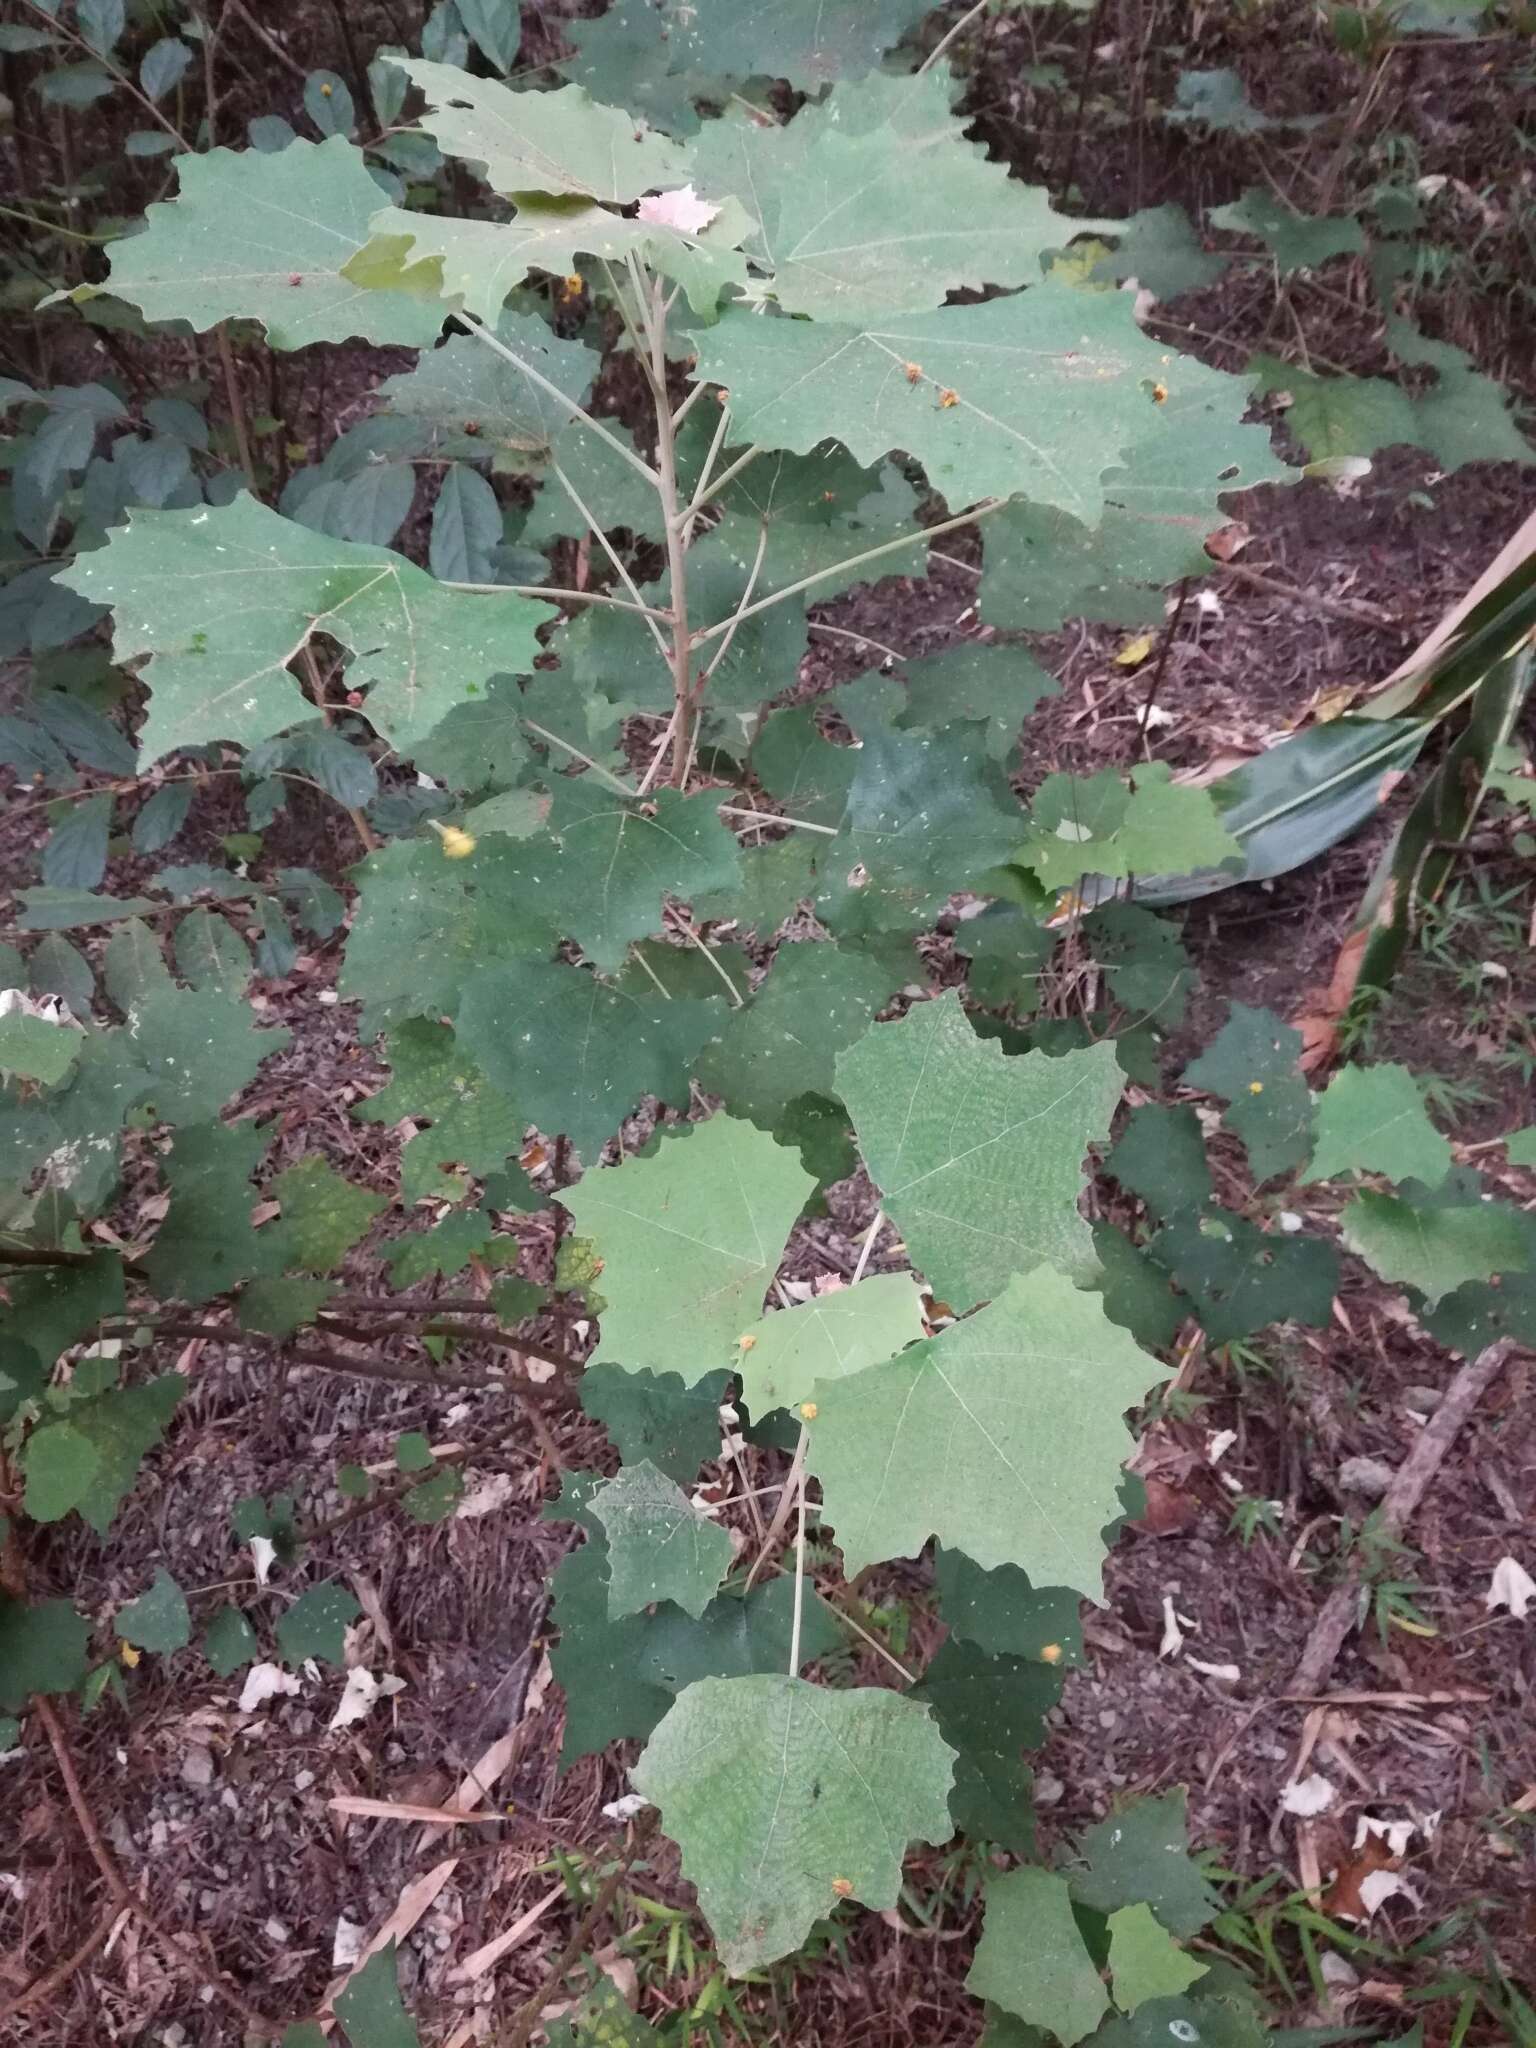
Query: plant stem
{"type": "Point", "coordinates": [944, 42]}
{"type": "Point", "coordinates": [722, 428]}
{"type": "Point", "coordinates": [867, 1247]}
{"type": "Point", "coordinates": [558, 596]}
{"type": "Point", "coordinates": [528, 2014]}
{"type": "Point", "coordinates": [578, 412]}
{"type": "Point", "coordinates": [775, 818]}
{"type": "Point", "coordinates": [706, 491]}
{"type": "Point", "coordinates": [683, 925]}
{"type": "Point", "coordinates": [794, 1627]}
{"type": "Point", "coordinates": [613, 555]}
{"type": "Point", "coordinates": [677, 553]}
{"type": "Point", "coordinates": [918, 534]}
{"type": "Point", "coordinates": [586, 760]}
{"type": "Point", "coordinates": [737, 616]}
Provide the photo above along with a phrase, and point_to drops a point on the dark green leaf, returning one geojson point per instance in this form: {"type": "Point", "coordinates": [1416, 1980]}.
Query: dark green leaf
{"type": "Point", "coordinates": [42, 1649]}
{"type": "Point", "coordinates": [369, 2006]}
{"type": "Point", "coordinates": [75, 856]}
{"type": "Point", "coordinates": [158, 1620]}
{"type": "Point", "coordinates": [316, 1625]}
{"type": "Point", "coordinates": [229, 1641]}
{"type": "Point", "coordinates": [1140, 1856]}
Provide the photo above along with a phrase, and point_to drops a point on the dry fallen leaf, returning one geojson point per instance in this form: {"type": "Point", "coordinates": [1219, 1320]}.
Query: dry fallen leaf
{"type": "Point", "coordinates": [1134, 652]}
{"type": "Point", "coordinates": [1342, 1900]}
{"type": "Point", "coordinates": [264, 1682]}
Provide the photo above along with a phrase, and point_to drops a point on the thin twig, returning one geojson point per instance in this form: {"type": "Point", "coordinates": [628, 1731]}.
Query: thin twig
{"type": "Point", "coordinates": [737, 616]}
{"type": "Point", "coordinates": [1353, 612]}
{"type": "Point", "coordinates": [118, 1885]}
{"type": "Point", "coordinates": [867, 1247]}
{"type": "Point", "coordinates": [918, 535]}
{"type": "Point", "coordinates": [613, 555]}
{"type": "Point", "coordinates": [683, 924]}
{"type": "Point", "coordinates": [529, 2013]}
{"type": "Point", "coordinates": [46, 1986]}
{"type": "Point", "coordinates": [959, 28]}
{"type": "Point", "coordinates": [775, 818]}
{"type": "Point", "coordinates": [783, 1511]}
{"type": "Point", "coordinates": [799, 1607]}
{"type": "Point", "coordinates": [1398, 1503]}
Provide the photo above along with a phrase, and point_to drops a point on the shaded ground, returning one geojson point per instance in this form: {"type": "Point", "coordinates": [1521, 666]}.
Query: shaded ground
{"type": "Point", "coordinates": [225, 1817]}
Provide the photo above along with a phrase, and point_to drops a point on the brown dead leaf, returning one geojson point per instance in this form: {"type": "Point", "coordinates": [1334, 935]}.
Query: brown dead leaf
{"type": "Point", "coordinates": [1170, 1511]}
{"type": "Point", "coordinates": [1228, 541]}
{"type": "Point", "coordinates": [1319, 1023]}
{"type": "Point", "coordinates": [1342, 1900]}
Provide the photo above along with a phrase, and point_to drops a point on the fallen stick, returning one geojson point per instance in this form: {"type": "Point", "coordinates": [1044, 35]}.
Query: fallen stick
{"type": "Point", "coordinates": [1398, 1504]}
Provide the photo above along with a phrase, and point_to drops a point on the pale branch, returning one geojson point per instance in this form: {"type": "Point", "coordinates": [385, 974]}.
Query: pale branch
{"type": "Point", "coordinates": [1340, 1610]}
{"type": "Point", "coordinates": [677, 553]}
{"type": "Point", "coordinates": [722, 428]}
{"type": "Point", "coordinates": [556, 596]}
{"type": "Point", "coordinates": [594, 527]}
{"type": "Point", "coordinates": [604, 774]}
{"type": "Point", "coordinates": [916, 537]}
{"type": "Point", "coordinates": [752, 817]}
{"type": "Point", "coordinates": [578, 412]}
{"type": "Point", "coordinates": [704, 493]}
{"type": "Point", "coordinates": [738, 615]}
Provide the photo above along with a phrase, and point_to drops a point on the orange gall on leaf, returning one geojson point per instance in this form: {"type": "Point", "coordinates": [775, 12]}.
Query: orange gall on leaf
{"type": "Point", "coordinates": [913, 372]}
{"type": "Point", "coordinates": [843, 1886]}
{"type": "Point", "coordinates": [947, 399]}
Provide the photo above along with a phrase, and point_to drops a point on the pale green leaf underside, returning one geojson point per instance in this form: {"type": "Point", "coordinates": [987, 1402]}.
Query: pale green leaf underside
{"type": "Point", "coordinates": [223, 598]}
{"type": "Point", "coordinates": [979, 1157]}
{"type": "Point", "coordinates": [1434, 1249]}
{"type": "Point", "coordinates": [826, 1338]}
{"type": "Point", "coordinates": [1373, 1120]}
{"type": "Point", "coordinates": [560, 143]}
{"type": "Point", "coordinates": [784, 1797]}
{"type": "Point", "coordinates": [690, 1239]}
{"type": "Point", "coordinates": [659, 1546]}
{"type": "Point", "coordinates": [882, 212]}
{"type": "Point", "coordinates": [1032, 1960]}
{"type": "Point", "coordinates": [264, 237]}
{"type": "Point", "coordinates": [481, 261]}
{"type": "Point", "coordinates": [1003, 1437]}
{"type": "Point", "coordinates": [1145, 1961]}
{"type": "Point", "coordinates": [1039, 393]}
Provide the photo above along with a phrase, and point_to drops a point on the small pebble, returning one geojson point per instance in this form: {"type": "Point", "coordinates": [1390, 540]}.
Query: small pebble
{"type": "Point", "coordinates": [1367, 1476]}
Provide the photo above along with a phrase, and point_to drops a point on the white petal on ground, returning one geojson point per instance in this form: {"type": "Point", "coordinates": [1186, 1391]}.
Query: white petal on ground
{"type": "Point", "coordinates": [263, 1556]}
{"type": "Point", "coordinates": [1308, 1796]}
{"type": "Point", "coordinates": [361, 1694]}
{"type": "Point", "coordinates": [264, 1682]}
{"type": "Point", "coordinates": [1511, 1586]}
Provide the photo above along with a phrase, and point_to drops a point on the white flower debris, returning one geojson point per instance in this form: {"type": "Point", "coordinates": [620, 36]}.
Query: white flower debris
{"type": "Point", "coordinates": [487, 1497]}
{"type": "Point", "coordinates": [47, 1009]}
{"type": "Point", "coordinates": [1377, 1886]}
{"type": "Point", "coordinates": [361, 1695]}
{"type": "Point", "coordinates": [682, 209]}
{"type": "Point", "coordinates": [347, 1944]}
{"type": "Point", "coordinates": [1219, 1442]}
{"type": "Point", "coordinates": [625, 1807]}
{"type": "Point", "coordinates": [1174, 1626]}
{"type": "Point", "coordinates": [263, 1556]}
{"type": "Point", "coordinates": [264, 1682]}
{"type": "Point", "coordinates": [1228, 1674]}
{"type": "Point", "coordinates": [1397, 1834]}
{"type": "Point", "coordinates": [1511, 1586]}
{"type": "Point", "coordinates": [1307, 1796]}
